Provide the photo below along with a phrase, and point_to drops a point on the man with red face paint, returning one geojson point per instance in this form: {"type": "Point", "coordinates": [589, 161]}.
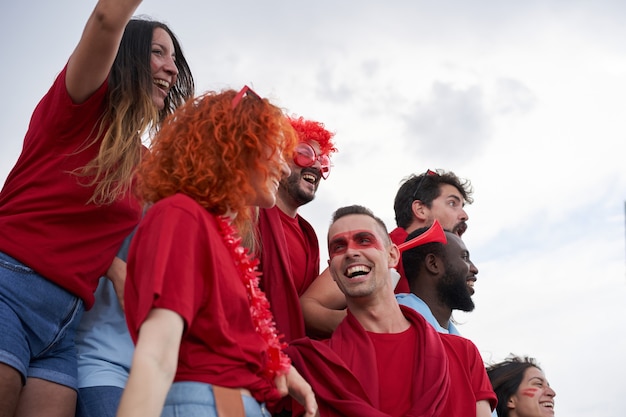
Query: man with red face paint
{"type": "Point", "coordinates": [384, 359]}
{"type": "Point", "coordinates": [289, 253]}
{"type": "Point", "coordinates": [421, 199]}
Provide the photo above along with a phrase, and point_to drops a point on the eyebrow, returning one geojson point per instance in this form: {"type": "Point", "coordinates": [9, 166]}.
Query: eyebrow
{"type": "Point", "coordinates": [353, 236]}
{"type": "Point", "coordinates": [539, 378]}
{"type": "Point", "coordinates": [337, 239]}
{"type": "Point", "coordinates": [456, 197]}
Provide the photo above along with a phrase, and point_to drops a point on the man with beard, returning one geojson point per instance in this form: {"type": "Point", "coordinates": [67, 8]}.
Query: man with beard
{"type": "Point", "coordinates": [441, 277]}
{"type": "Point", "coordinates": [435, 194]}
{"type": "Point", "coordinates": [289, 252]}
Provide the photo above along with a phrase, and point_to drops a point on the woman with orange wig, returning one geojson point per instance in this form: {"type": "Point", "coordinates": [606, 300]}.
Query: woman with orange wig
{"type": "Point", "coordinates": [205, 338]}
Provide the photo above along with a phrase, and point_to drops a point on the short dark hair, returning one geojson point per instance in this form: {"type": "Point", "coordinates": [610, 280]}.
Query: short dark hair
{"type": "Point", "coordinates": [413, 259]}
{"type": "Point", "coordinates": [429, 190]}
{"type": "Point", "coordinates": [506, 377]}
{"type": "Point", "coordinates": [356, 209]}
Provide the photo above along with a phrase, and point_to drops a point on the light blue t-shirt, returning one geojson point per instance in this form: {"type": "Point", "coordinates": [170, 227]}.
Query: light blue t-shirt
{"type": "Point", "coordinates": [416, 303]}
{"type": "Point", "coordinates": [413, 301]}
{"type": "Point", "coordinates": [105, 349]}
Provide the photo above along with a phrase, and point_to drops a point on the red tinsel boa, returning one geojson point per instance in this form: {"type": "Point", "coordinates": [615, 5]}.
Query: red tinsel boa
{"type": "Point", "coordinates": [278, 363]}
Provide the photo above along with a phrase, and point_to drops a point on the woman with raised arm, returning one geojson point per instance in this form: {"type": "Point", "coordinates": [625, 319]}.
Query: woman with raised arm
{"type": "Point", "coordinates": [67, 204]}
{"type": "Point", "coordinates": [103, 344]}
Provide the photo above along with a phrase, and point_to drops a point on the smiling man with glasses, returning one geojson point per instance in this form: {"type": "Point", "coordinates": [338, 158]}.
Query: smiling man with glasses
{"type": "Point", "coordinates": [290, 255]}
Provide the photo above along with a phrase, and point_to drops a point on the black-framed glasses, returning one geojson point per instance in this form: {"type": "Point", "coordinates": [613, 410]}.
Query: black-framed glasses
{"type": "Point", "coordinates": [428, 173]}
{"type": "Point", "coordinates": [244, 91]}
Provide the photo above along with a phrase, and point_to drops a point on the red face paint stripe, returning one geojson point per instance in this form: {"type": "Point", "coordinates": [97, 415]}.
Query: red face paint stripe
{"type": "Point", "coordinates": [529, 392]}
{"type": "Point", "coordinates": [354, 239]}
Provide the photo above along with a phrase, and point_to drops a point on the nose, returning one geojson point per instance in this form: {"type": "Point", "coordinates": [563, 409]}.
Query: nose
{"type": "Point", "coordinates": [464, 215]}
{"type": "Point", "coordinates": [352, 252]}
{"type": "Point", "coordinates": [550, 392]}
{"type": "Point", "coordinates": [473, 268]}
{"type": "Point", "coordinates": [170, 66]}
{"type": "Point", "coordinates": [317, 164]}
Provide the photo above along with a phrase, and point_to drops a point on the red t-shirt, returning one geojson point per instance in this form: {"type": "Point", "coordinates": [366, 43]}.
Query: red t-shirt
{"type": "Point", "coordinates": [290, 261]}
{"type": "Point", "coordinates": [45, 220]}
{"type": "Point", "coordinates": [396, 390]}
{"type": "Point", "coordinates": [299, 252]}
{"type": "Point", "coordinates": [469, 380]}
{"type": "Point", "coordinates": [179, 261]}
{"type": "Point", "coordinates": [398, 236]}
{"type": "Point", "coordinates": [345, 378]}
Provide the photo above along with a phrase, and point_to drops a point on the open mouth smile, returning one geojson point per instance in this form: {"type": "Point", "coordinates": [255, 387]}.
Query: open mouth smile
{"type": "Point", "coordinates": [357, 270]}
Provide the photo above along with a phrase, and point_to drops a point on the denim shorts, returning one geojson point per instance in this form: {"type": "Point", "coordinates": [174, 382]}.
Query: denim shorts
{"type": "Point", "coordinates": [101, 401]}
{"type": "Point", "coordinates": [38, 321]}
{"type": "Point", "coordinates": [195, 399]}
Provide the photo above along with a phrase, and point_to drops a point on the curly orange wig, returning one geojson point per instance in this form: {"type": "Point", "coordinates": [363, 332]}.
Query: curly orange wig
{"type": "Point", "coordinates": [309, 130]}
{"type": "Point", "coordinates": [209, 151]}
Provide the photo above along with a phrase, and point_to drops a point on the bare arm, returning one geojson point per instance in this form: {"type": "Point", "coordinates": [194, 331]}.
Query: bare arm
{"type": "Point", "coordinates": [154, 364]}
{"type": "Point", "coordinates": [323, 306]}
{"type": "Point", "coordinates": [117, 275]}
{"type": "Point", "coordinates": [483, 409]}
{"type": "Point", "coordinates": [93, 57]}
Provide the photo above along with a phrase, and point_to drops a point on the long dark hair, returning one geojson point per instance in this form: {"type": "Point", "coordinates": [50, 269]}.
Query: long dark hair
{"type": "Point", "coordinates": [130, 111]}
{"type": "Point", "coordinates": [506, 377]}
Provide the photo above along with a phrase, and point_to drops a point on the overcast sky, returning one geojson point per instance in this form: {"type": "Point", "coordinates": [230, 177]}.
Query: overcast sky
{"type": "Point", "coordinates": [524, 98]}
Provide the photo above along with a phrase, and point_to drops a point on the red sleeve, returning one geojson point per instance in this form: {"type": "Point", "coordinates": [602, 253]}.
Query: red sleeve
{"type": "Point", "coordinates": [398, 236]}
{"type": "Point", "coordinates": [480, 380]}
{"type": "Point", "coordinates": [338, 391]}
{"type": "Point", "coordinates": [469, 377]}
{"type": "Point", "coordinates": [162, 265]}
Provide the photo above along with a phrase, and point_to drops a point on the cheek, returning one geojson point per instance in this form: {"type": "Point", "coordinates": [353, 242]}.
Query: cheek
{"type": "Point", "coordinates": [334, 254]}
{"type": "Point", "coordinates": [529, 392]}
{"type": "Point", "coordinates": [448, 220]}
{"type": "Point", "coordinates": [154, 65]}
{"type": "Point", "coordinates": [334, 265]}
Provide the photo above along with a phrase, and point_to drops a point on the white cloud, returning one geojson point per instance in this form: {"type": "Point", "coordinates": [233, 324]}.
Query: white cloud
{"type": "Point", "coordinates": [525, 99]}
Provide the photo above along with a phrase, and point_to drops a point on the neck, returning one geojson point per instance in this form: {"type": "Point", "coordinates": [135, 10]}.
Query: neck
{"type": "Point", "coordinates": [416, 224]}
{"type": "Point", "coordinates": [286, 204]}
{"type": "Point", "coordinates": [379, 315]}
{"type": "Point", "coordinates": [439, 309]}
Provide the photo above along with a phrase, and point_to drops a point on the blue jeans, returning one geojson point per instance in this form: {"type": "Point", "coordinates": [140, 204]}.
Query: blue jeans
{"type": "Point", "coordinates": [98, 401]}
{"type": "Point", "coordinates": [195, 399]}
{"type": "Point", "coordinates": [38, 321]}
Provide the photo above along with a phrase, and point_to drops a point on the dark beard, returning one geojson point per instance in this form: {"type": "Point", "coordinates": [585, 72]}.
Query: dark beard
{"type": "Point", "coordinates": [453, 291]}
{"type": "Point", "coordinates": [292, 185]}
